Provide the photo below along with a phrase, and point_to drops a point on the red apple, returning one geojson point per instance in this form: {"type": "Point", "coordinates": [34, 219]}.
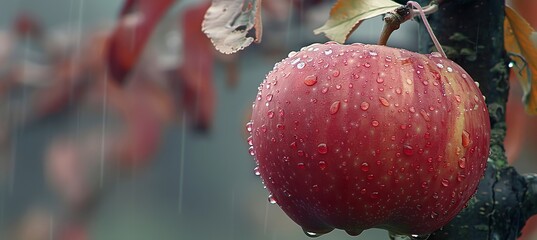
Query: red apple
{"type": "Point", "coordinates": [366, 136]}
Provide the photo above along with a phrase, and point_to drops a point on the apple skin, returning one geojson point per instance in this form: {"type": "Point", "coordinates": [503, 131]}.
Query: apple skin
{"type": "Point", "coordinates": [365, 136]}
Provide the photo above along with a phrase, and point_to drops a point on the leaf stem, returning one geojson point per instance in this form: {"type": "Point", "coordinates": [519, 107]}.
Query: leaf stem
{"type": "Point", "coordinates": [426, 23]}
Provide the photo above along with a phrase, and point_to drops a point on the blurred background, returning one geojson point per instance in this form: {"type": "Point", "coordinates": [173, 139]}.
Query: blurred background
{"type": "Point", "coordinates": [99, 142]}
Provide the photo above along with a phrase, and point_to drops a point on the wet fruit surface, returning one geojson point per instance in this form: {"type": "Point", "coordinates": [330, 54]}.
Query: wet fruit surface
{"type": "Point", "coordinates": [361, 136]}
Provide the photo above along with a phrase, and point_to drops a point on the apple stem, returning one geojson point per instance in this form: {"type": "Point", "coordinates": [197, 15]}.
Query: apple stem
{"type": "Point", "coordinates": [432, 8]}
{"type": "Point", "coordinates": [393, 20]}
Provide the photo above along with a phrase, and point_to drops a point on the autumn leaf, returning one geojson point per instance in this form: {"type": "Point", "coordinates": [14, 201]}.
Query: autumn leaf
{"type": "Point", "coordinates": [136, 22]}
{"type": "Point", "coordinates": [228, 22]}
{"type": "Point", "coordinates": [346, 16]}
{"type": "Point", "coordinates": [521, 45]}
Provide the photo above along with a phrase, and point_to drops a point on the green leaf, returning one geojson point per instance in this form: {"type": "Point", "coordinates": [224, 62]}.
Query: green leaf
{"type": "Point", "coordinates": [346, 16]}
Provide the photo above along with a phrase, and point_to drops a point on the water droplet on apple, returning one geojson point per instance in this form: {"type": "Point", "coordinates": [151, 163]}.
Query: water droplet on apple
{"type": "Point", "coordinates": [300, 65]}
{"type": "Point", "coordinates": [249, 126]}
{"type": "Point", "coordinates": [445, 182]}
{"type": "Point", "coordinates": [338, 87]}
{"type": "Point", "coordinates": [322, 148]}
{"type": "Point", "coordinates": [398, 91]}
{"type": "Point", "coordinates": [256, 171]}
{"type": "Point", "coordinates": [291, 54]}
{"type": "Point", "coordinates": [280, 126]}
{"type": "Point", "coordinates": [372, 53]}
{"type": "Point", "coordinates": [462, 163]}
{"type": "Point", "coordinates": [322, 165]}
{"type": "Point", "coordinates": [250, 140]}
{"type": "Point", "coordinates": [272, 199]}
{"type": "Point", "coordinates": [436, 54]}
{"type": "Point", "coordinates": [408, 150]}
{"type": "Point", "coordinates": [269, 97]}
{"type": "Point", "coordinates": [364, 167]}
{"type": "Point", "coordinates": [384, 101]}
{"type": "Point", "coordinates": [310, 80]}
{"type": "Point", "coordinates": [461, 177]}
{"type": "Point", "coordinates": [380, 80]}
{"type": "Point", "coordinates": [409, 81]}
{"type": "Point", "coordinates": [324, 90]}
{"type": "Point", "coordinates": [458, 98]}
{"type": "Point", "coordinates": [270, 114]}
{"type": "Point", "coordinates": [425, 115]}
{"type": "Point", "coordinates": [465, 138]}
{"type": "Point", "coordinates": [367, 65]}
{"type": "Point", "coordinates": [328, 52]}
{"type": "Point", "coordinates": [364, 106]}
{"type": "Point", "coordinates": [424, 184]}
{"type": "Point", "coordinates": [439, 65]}
{"type": "Point", "coordinates": [374, 195]}
{"type": "Point", "coordinates": [300, 165]}
{"type": "Point", "coordinates": [251, 151]}
{"type": "Point", "coordinates": [335, 73]}
{"type": "Point", "coordinates": [334, 108]}
{"type": "Point", "coordinates": [375, 123]}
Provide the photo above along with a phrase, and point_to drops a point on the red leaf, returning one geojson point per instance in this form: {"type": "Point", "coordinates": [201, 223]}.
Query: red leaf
{"type": "Point", "coordinates": [197, 88]}
{"type": "Point", "coordinates": [137, 20]}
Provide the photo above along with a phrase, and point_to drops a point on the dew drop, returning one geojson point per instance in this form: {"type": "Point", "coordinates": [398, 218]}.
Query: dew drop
{"type": "Point", "coordinates": [398, 91]}
{"type": "Point", "coordinates": [465, 139]}
{"type": "Point", "coordinates": [335, 73]}
{"type": "Point", "coordinates": [380, 80]}
{"type": "Point", "coordinates": [374, 195]}
{"type": "Point", "coordinates": [322, 148]}
{"type": "Point", "coordinates": [434, 215]}
{"type": "Point", "coordinates": [409, 81]}
{"type": "Point", "coordinates": [375, 123]}
{"type": "Point", "coordinates": [270, 114]}
{"type": "Point", "coordinates": [367, 65]}
{"type": "Point", "coordinates": [280, 126]}
{"type": "Point", "coordinates": [461, 177]}
{"type": "Point", "coordinates": [334, 108]}
{"type": "Point", "coordinates": [322, 165]}
{"type": "Point", "coordinates": [256, 171]}
{"type": "Point", "coordinates": [462, 163]}
{"type": "Point", "coordinates": [445, 182]}
{"type": "Point", "coordinates": [439, 65]}
{"type": "Point", "coordinates": [364, 167]}
{"type": "Point", "coordinates": [300, 65]}
{"type": "Point", "coordinates": [271, 199]}
{"type": "Point", "coordinates": [373, 53]}
{"type": "Point", "coordinates": [310, 80]}
{"type": "Point", "coordinates": [364, 106]}
{"type": "Point", "coordinates": [436, 54]}
{"type": "Point", "coordinates": [251, 151]}
{"type": "Point", "coordinates": [328, 52]}
{"type": "Point", "coordinates": [425, 115]}
{"type": "Point", "coordinates": [458, 98]}
{"type": "Point", "coordinates": [250, 141]}
{"type": "Point", "coordinates": [338, 87]}
{"type": "Point", "coordinates": [384, 101]}
{"type": "Point", "coordinates": [449, 69]}
{"type": "Point", "coordinates": [408, 150]}
{"type": "Point", "coordinates": [324, 90]}
{"type": "Point", "coordinates": [292, 145]}
{"type": "Point", "coordinates": [269, 97]}
{"type": "Point", "coordinates": [249, 126]}
{"type": "Point", "coordinates": [412, 109]}
{"type": "Point", "coordinates": [291, 54]}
